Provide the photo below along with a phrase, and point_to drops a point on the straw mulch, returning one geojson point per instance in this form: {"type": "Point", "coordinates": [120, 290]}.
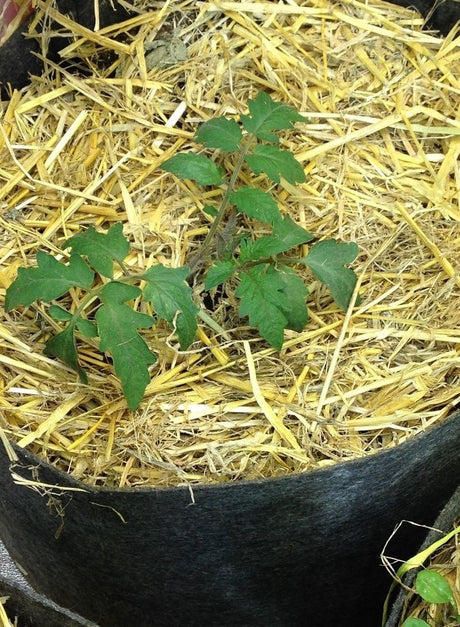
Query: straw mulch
{"type": "Point", "coordinates": [381, 159]}
{"type": "Point", "coordinates": [4, 620]}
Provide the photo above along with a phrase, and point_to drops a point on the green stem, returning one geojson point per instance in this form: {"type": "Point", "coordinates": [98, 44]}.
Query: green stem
{"type": "Point", "coordinates": [231, 184]}
{"type": "Point", "coordinates": [213, 324]}
{"type": "Point", "coordinates": [209, 239]}
{"type": "Point", "coordinates": [84, 303]}
{"type": "Point", "coordinates": [286, 261]}
{"type": "Point", "coordinates": [94, 293]}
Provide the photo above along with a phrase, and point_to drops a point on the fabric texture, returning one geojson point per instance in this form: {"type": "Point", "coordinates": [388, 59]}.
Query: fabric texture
{"type": "Point", "coordinates": [297, 550]}
{"type": "Point", "coordinates": [31, 609]}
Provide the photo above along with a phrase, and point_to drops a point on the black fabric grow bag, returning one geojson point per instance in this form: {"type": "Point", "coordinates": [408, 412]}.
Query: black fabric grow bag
{"type": "Point", "coordinates": [299, 550]}
{"type": "Point", "coordinates": [25, 604]}
{"type": "Point", "coordinates": [18, 56]}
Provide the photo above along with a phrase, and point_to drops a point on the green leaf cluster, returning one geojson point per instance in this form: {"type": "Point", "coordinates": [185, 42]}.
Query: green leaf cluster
{"type": "Point", "coordinates": [260, 268]}
{"type": "Point", "coordinates": [115, 323]}
{"type": "Point", "coordinates": [271, 295]}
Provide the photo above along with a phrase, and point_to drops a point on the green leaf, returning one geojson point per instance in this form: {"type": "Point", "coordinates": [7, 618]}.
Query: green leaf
{"type": "Point", "coordinates": [210, 211]}
{"type": "Point", "coordinates": [171, 298]}
{"type": "Point", "coordinates": [220, 133]}
{"type": "Point", "coordinates": [117, 324]}
{"type": "Point", "coordinates": [256, 204]}
{"type": "Point", "coordinates": [64, 348]}
{"type": "Point", "coordinates": [101, 248]}
{"type": "Point", "coordinates": [255, 292]}
{"type": "Point", "coordinates": [194, 167]}
{"type": "Point", "coordinates": [86, 328]}
{"type": "Point", "coordinates": [58, 313]}
{"type": "Point", "coordinates": [275, 163]}
{"type": "Point", "coordinates": [295, 293]}
{"type": "Point", "coordinates": [218, 273]}
{"type": "Point", "coordinates": [414, 622]}
{"type": "Point", "coordinates": [286, 234]}
{"type": "Point", "coordinates": [48, 281]}
{"type": "Point", "coordinates": [268, 115]}
{"type": "Point", "coordinates": [327, 260]}
{"type": "Point", "coordinates": [266, 298]}
{"type": "Point", "coordinates": [432, 587]}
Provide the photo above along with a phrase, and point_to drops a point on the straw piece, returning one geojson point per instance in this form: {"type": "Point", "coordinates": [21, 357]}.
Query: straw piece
{"type": "Point", "coordinates": [78, 29]}
{"type": "Point", "coordinates": [272, 417]}
{"type": "Point", "coordinates": [54, 419]}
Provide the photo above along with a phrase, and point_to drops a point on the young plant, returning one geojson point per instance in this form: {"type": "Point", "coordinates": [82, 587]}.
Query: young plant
{"type": "Point", "coordinates": [433, 588]}
{"type": "Point", "coordinates": [270, 293]}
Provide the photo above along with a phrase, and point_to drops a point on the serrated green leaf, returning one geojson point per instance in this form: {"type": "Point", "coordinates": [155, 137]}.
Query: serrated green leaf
{"type": "Point", "coordinates": [286, 234]}
{"type": "Point", "coordinates": [117, 325]}
{"type": "Point", "coordinates": [414, 622]}
{"type": "Point", "coordinates": [218, 273]}
{"type": "Point", "coordinates": [220, 133]}
{"type": "Point", "coordinates": [101, 248]}
{"type": "Point", "coordinates": [58, 313]}
{"type": "Point", "coordinates": [433, 587]}
{"type": "Point", "coordinates": [294, 292]}
{"type": "Point", "coordinates": [50, 280]}
{"type": "Point", "coordinates": [275, 163]}
{"type": "Point", "coordinates": [171, 298]}
{"type": "Point", "coordinates": [263, 300]}
{"type": "Point", "coordinates": [86, 327]}
{"type": "Point", "coordinates": [256, 204]}
{"type": "Point", "coordinates": [268, 115]}
{"type": "Point", "coordinates": [327, 260]}
{"type": "Point", "coordinates": [194, 167]}
{"type": "Point", "coordinates": [64, 348]}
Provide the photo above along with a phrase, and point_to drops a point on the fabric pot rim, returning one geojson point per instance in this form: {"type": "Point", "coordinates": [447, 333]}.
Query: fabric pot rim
{"type": "Point", "coordinates": [245, 552]}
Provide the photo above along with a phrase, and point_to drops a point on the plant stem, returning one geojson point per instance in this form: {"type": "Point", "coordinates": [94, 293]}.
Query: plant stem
{"type": "Point", "coordinates": [231, 184]}
{"type": "Point", "coordinates": [92, 294]}
{"type": "Point", "coordinates": [209, 239]}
